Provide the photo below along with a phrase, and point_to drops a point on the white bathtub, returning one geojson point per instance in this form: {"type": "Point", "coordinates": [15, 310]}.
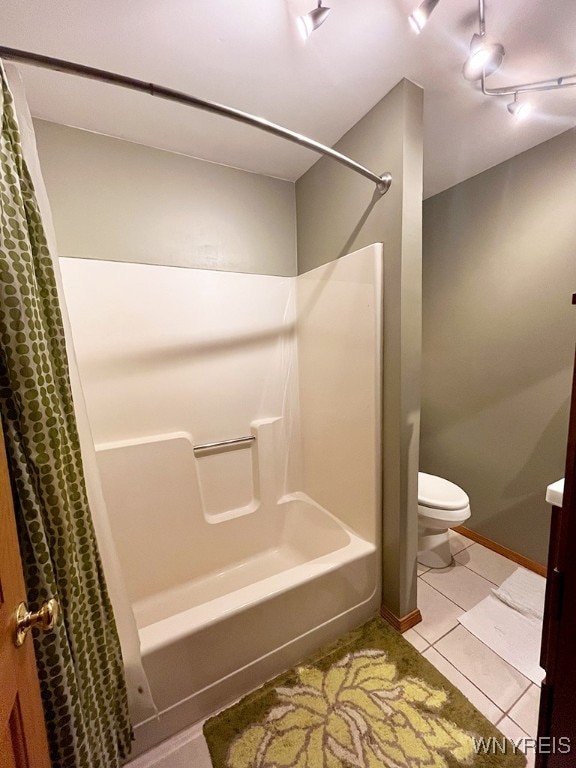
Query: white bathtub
{"type": "Point", "coordinates": [224, 602]}
{"type": "Point", "coordinates": [303, 542]}
{"type": "Point", "coordinates": [210, 640]}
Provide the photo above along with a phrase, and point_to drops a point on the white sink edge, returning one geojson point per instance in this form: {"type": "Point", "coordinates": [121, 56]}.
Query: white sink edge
{"type": "Point", "coordinates": [555, 493]}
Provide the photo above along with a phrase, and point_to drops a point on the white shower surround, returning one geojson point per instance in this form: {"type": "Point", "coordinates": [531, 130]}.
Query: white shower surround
{"type": "Point", "coordinates": [233, 582]}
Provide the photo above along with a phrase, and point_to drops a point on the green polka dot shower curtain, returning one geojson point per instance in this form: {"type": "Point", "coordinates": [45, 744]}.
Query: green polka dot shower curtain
{"type": "Point", "coordinates": [80, 663]}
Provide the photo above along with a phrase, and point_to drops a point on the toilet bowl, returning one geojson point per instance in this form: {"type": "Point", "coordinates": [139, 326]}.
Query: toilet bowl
{"type": "Point", "coordinates": [441, 506]}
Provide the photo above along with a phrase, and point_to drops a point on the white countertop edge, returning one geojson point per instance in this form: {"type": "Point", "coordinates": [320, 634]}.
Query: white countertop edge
{"type": "Point", "coordinates": [555, 493]}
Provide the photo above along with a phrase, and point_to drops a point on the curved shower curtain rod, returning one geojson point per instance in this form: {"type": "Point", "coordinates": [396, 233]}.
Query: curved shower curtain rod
{"type": "Point", "coordinates": [47, 62]}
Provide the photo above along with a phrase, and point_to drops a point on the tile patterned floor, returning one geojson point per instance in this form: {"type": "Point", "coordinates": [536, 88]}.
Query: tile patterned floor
{"type": "Point", "coordinates": [500, 692]}
{"type": "Point", "coordinates": [508, 699]}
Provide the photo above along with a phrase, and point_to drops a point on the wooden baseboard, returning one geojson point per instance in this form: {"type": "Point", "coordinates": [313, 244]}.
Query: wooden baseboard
{"type": "Point", "coordinates": [404, 623]}
{"type": "Point", "coordinates": [516, 557]}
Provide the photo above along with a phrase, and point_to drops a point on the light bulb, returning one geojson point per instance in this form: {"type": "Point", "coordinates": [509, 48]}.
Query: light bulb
{"type": "Point", "coordinates": [519, 109]}
{"type": "Point", "coordinates": [304, 27]}
{"type": "Point", "coordinates": [420, 16]}
{"type": "Point", "coordinates": [312, 20]}
{"type": "Point", "coordinates": [485, 57]}
{"type": "Point", "coordinates": [417, 21]}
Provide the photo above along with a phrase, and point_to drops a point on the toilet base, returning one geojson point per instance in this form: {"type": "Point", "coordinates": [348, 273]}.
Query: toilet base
{"type": "Point", "coordinates": [434, 548]}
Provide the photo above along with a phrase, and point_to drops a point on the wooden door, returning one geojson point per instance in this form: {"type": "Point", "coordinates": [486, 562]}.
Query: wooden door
{"type": "Point", "coordinates": [23, 741]}
{"type": "Point", "coordinates": [557, 722]}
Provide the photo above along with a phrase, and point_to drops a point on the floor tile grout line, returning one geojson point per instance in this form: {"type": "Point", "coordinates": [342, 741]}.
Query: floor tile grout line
{"type": "Point", "coordinates": [467, 546]}
{"type": "Point", "coordinates": [444, 596]}
{"type": "Point", "coordinates": [462, 565]}
{"type": "Point", "coordinates": [459, 552]}
{"type": "Point", "coordinates": [508, 713]}
{"type": "Point", "coordinates": [431, 644]}
{"type": "Point", "coordinates": [460, 606]}
{"type": "Point", "coordinates": [464, 610]}
{"type": "Point", "coordinates": [495, 583]}
{"type": "Point", "coordinates": [428, 643]}
{"type": "Point", "coordinates": [504, 712]}
{"type": "Point", "coordinates": [515, 723]}
{"type": "Point", "coordinates": [449, 631]}
{"type": "Point", "coordinates": [481, 546]}
{"type": "Point", "coordinates": [530, 684]}
{"type": "Point", "coordinates": [415, 627]}
{"type": "Point", "coordinates": [507, 663]}
{"type": "Point", "coordinates": [472, 683]}
{"type": "Point", "coordinates": [428, 646]}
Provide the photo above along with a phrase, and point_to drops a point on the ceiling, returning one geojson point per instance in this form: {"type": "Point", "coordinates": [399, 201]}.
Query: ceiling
{"type": "Point", "coordinates": [247, 54]}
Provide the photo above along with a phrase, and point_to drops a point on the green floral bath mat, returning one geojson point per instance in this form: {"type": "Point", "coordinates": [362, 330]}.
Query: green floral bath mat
{"type": "Point", "coordinates": [368, 701]}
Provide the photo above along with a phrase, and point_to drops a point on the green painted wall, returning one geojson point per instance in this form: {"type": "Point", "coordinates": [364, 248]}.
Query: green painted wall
{"type": "Point", "coordinates": [113, 199]}
{"type": "Point", "coordinates": [499, 268]}
{"type": "Point", "coordinates": [338, 212]}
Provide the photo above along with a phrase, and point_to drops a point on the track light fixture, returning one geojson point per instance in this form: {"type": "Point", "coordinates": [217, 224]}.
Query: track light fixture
{"type": "Point", "coordinates": [486, 56]}
{"type": "Point", "coordinates": [420, 16]}
{"type": "Point", "coordinates": [519, 109]}
{"type": "Point", "coordinates": [313, 19]}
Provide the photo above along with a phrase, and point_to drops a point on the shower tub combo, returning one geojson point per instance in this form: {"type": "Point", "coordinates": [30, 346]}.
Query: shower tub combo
{"type": "Point", "coordinates": [225, 601]}
{"type": "Point", "coordinates": [239, 558]}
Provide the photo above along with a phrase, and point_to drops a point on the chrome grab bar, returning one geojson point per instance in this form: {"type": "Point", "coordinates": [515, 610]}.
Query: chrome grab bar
{"type": "Point", "coordinates": [224, 445]}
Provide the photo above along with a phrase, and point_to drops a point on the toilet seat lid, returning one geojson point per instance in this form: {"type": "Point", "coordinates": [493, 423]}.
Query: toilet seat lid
{"type": "Point", "coordinates": [437, 493]}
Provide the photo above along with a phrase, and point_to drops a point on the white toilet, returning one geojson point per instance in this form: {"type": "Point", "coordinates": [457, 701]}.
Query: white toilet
{"type": "Point", "coordinates": [441, 505]}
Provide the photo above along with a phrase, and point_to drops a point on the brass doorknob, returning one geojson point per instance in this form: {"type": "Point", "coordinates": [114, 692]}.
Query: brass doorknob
{"type": "Point", "coordinates": [44, 619]}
